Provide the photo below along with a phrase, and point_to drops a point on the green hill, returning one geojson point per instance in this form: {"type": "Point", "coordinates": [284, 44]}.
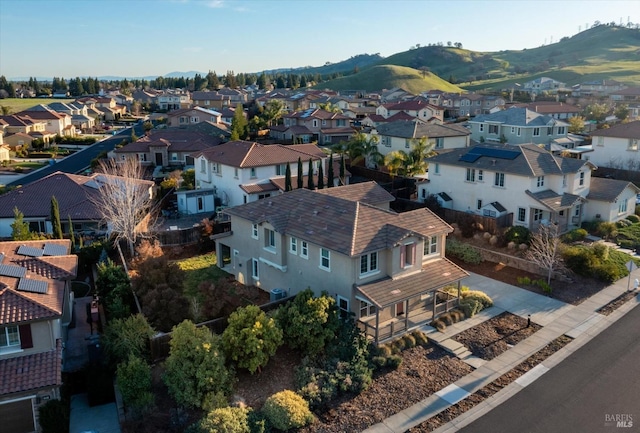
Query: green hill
{"type": "Point", "coordinates": [388, 77]}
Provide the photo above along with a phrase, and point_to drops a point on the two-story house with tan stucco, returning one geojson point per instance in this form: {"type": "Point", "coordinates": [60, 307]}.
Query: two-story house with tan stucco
{"type": "Point", "coordinates": [313, 125]}
{"type": "Point", "coordinates": [385, 268]}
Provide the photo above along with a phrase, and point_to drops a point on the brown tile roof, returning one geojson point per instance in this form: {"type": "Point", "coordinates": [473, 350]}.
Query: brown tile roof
{"type": "Point", "coordinates": [608, 190]}
{"type": "Point", "coordinates": [621, 130]}
{"type": "Point", "coordinates": [31, 372]}
{"type": "Point", "coordinates": [247, 154]}
{"type": "Point", "coordinates": [434, 275]}
{"type": "Point", "coordinates": [365, 192]}
{"type": "Point", "coordinates": [177, 140]}
{"type": "Point", "coordinates": [346, 226]}
{"type": "Point", "coordinates": [554, 201]}
{"type": "Point", "coordinates": [256, 188]}
{"type": "Point", "coordinates": [315, 113]}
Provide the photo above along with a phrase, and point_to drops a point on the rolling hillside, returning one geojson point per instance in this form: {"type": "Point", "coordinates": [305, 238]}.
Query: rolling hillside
{"type": "Point", "coordinates": [388, 77]}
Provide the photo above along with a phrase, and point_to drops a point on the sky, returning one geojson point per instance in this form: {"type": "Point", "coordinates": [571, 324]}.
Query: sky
{"type": "Point", "coordinates": [135, 38]}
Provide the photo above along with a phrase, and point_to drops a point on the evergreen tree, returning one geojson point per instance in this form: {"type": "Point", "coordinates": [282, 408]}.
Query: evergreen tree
{"type": "Point", "coordinates": [262, 82]}
{"type": "Point", "coordinates": [303, 81]}
{"type": "Point", "coordinates": [212, 80]}
{"type": "Point", "coordinates": [330, 175]}
{"type": "Point", "coordinates": [19, 227]}
{"type": "Point", "coordinates": [342, 170]}
{"type": "Point", "coordinates": [72, 235]}
{"type": "Point", "coordinates": [300, 181]}
{"type": "Point", "coordinates": [320, 176]}
{"type": "Point", "coordinates": [310, 184]}
{"type": "Point", "coordinates": [287, 178]}
{"type": "Point", "coordinates": [55, 219]}
{"type": "Point", "coordinates": [280, 83]}
{"type": "Point", "coordinates": [239, 124]}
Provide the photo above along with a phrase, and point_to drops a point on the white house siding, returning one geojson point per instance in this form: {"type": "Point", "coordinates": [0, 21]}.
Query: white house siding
{"type": "Point", "coordinates": [605, 211]}
{"type": "Point", "coordinates": [615, 153]}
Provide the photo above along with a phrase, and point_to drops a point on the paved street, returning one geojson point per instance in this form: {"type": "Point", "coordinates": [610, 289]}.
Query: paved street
{"type": "Point", "coordinates": [584, 393]}
{"type": "Point", "coordinates": [80, 160]}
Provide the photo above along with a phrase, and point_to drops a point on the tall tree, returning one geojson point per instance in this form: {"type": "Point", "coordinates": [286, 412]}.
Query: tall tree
{"type": "Point", "coordinates": [544, 249]}
{"type": "Point", "coordinates": [310, 184]}
{"type": "Point", "coordinates": [20, 228]}
{"type": "Point", "coordinates": [239, 124]}
{"type": "Point", "coordinates": [56, 225]}
{"type": "Point", "coordinates": [212, 81]}
{"type": "Point", "coordinates": [330, 174]}
{"type": "Point", "coordinates": [320, 176]}
{"type": "Point", "coordinates": [300, 180]}
{"type": "Point", "coordinates": [342, 173]}
{"type": "Point", "coordinates": [287, 178]}
{"type": "Point", "coordinates": [72, 235]}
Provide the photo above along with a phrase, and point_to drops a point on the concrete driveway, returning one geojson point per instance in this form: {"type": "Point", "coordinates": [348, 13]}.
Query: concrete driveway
{"type": "Point", "coordinates": [101, 419]}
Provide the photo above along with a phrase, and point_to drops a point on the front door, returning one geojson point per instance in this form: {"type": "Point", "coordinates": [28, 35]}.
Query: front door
{"type": "Point", "coordinates": [400, 308]}
{"type": "Point", "coordinates": [159, 158]}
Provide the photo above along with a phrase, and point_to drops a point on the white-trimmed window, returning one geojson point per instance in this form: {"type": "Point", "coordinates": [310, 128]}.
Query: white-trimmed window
{"type": "Point", "coordinates": [217, 168]}
{"type": "Point", "coordinates": [255, 269]}
{"type": "Point", "coordinates": [254, 231]}
{"type": "Point", "coordinates": [481, 127]}
{"type": "Point", "coordinates": [366, 309]}
{"type": "Point", "coordinates": [518, 131]}
{"type": "Point", "coordinates": [293, 245]}
{"type": "Point", "coordinates": [499, 180]}
{"type": "Point", "coordinates": [564, 180]}
{"type": "Point", "coordinates": [478, 204]}
{"type": "Point", "coordinates": [436, 168]}
{"type": "Point", "coordinates": [281, 169]}
{"type": "Point", "coordinates": [253, 172]}
{"type": "Point", "coordinates": [315, 123]}
{"type": "Point", "coordinates": [343, 307]}
{"type": "Point", "coordinates": [304, 249]}
{"type": "Point", "coordinates": [561, 130]}
{"type": "Point", "coordinates": [480, 175]}
{"type": "Point", "coordinates": [540, 181]}
{"type": "Point", "coordinates": [368, 263]}
{"type": "Point", "coordinates": [430, 246]}
{"type": "Point", "coordinates": [269, 239]}
{"type": "Point", "coordinates": [536, 132]}
{"type": "Point", "coordinates": [513, 129]}
{"type": "Point", "coordinates": [235, 172]}
{"type": "Point", "coordinates": [600, 141]}
{"type": "Point", "coordinates": [581, 182]}
{"type": "Point", "coordinates": [633, 144]}
{"type": "Point", "coordinates": [522, 214]}
{"type": "Point", "coordinates": [203, 166]}
{"type": "Point", "coordinates": [9, 338]}
{"type": "Point", "coordinates": [622, 206]}
{"type": "Point", "coordinates": [439, 143]}
{"type": "Point", "coordinates": [577, 210]}
{"type": "Point", "coordinates": [537, 214]}
{"type": "Point", "coordinates": [471, 175]}
{"type": "Point", "coordinates": [493, 129]}
{"type": "Point", "coordinates": [325, 259]}
{"type": "Point", "coordinates": [407, 143]}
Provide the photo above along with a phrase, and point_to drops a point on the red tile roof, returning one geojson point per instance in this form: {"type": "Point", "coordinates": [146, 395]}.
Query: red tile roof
{"type": "Point", "coordinates": [31, 372]}
{"type": "Point", "coordinates": [247, 154]}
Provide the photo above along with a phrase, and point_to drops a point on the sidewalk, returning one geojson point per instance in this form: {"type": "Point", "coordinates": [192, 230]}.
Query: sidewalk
{"type": "Point", "coordinates": [557, 318]}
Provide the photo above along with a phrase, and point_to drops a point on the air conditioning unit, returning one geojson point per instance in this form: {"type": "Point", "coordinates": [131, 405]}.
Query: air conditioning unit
{"type": "Point", "coordinates": [276, 294]}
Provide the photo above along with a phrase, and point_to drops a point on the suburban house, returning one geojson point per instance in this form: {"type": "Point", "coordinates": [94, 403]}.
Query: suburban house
{"type": "Point", "coordinates": [617, 147]}
{"type": "Point", "coordinates": [313, 125]}
{"type": "Point", "coordinates": [395, 136]}
{"type": "Point", "coordinates": [240, 172]}
{"type": "Point", "coordinates": [468, 104]}
{"type": "Point", "coordinates": [190, 116]}
{"type": "Point", "coordinates": [597, 88]}
{"type": "Point", "coordinates": [543, 84]}
{"type": "Point", "coordinates": [210, 99]}
{"type": "Point", "coordinates": [416, 108]}
{"type": "Point", "coordinates": [517, 126]}
{"type": "Point", "coordinates": [528, 182]}
{"type": "Point", "coordinates": [56, 123]}
{"type": "Point", "coordinates": [79, 113]}
{"type": "Point", "coordinates": [385, 268]}
{"type": "Point", "coordinates": [5, 154]}
{"type": "Point", "coordinates": [630, 94]}
{"type": "Point", "coordinates": [35, 310]}
{"type": "Point", "coordinates": [76, 196]}
{"type": "Point", "coordinates": [557, 110]}
{"type": "Point", "coordinates": [167, 147]}
{"type": "Point", "coordinates": [173, 99]}
{"type": "Point", "coordinates": [109, 108]}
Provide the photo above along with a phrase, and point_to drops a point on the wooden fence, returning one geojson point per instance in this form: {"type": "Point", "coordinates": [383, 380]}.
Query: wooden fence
{"type": "Point", "coordinates": [489, 224]}
{"type": "Point", "coordinates": [159, 344]}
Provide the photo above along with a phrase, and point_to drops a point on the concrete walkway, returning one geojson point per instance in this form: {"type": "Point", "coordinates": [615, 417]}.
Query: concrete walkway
{"type": "Point", "coordinates": [98, 419]}
{"type": "Point", "coordinates": [557, 318]}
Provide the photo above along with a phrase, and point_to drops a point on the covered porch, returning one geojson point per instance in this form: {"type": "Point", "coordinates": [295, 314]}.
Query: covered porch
{"type": "Point", "coordinates": [391, 307]}
{"type": "Point", "coordinates": [565, 210]}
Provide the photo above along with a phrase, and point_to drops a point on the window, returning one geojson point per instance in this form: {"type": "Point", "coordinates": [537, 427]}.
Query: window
{"type": "Point", "coordinates": [600, 141]}
{"type": "Point", "coordinates": [235, 172]}
{"type": "Point", "coordinates": [386, 141]}
{"type": "Point", "coordinates": [480, 175]}
{"type": "Point", "coordinates": [254, 231]}
{"type": "Point", "coordinates": [407, 255]}
{"type": "Point", "coordinates": [482, 127]}
{"type": "Point", "coordinates": [577, 211]}
{"type": "Point", "coordinates": [293, 245]}
{"type": "Point", "coordinates": [499, 180]}
{"type": "Point", "coordinates": [633, 144]}
{"type": "Point", "coordinates": [436, 168]}
{"type": "Point", "coordinates": [479, 203]}
{"type": "Point", "coordinates": [561, 130]}
{"type": "Point", "coordinates": [537, 214]}
{"type": "Point", "coordinates": [367, 309]}
{"type": "Point", "coordinates": [142, 157]}
{"type": "Point", "coordinates": [217, 168]}
{"type": "Point", "coordinates": [182, 119]}
{"type": "Point", "coordinates": [262, 196]}
{"type": "Point", "coordinates": [343, 306]}
{"type": "Point", "coordinates": [430, 246]}
{"type": "Point", "coordinates": [281, 169]}
{"type": "Point", "coordinates": [522, 214]}
{"type": "Point", "coordinates": [564, 180]}
{"type": "Point", "coordinates": [340, 122]}
{"type": "Point", "coordinates": [550, 130]}
{"type": "Point", "coordinates": [304, 250]}
{"type": "Point", "coordinates": [269, 239]}
{"type": "Point", "coordinates": [253, 172]}
{"type": "Point", "coordinates": [581, 182]}
{"type": "Point", "coordinates": [315, 123]}
{"type": "Point", "coordinates": [471, 175]}
{"type": "Point", "coordinates": [493, 129]}
{"type": "Point", "coordinates": [540, 181]}
{"type": "Point", "coordinates": [195, 119]}
{"type": "Point", "coordinates": [325, 259]}
{"type": "Point", "coordinates": [407, 143]}
{"type": "Point", "coordinates": [255, 269]}
{"type": "Point", "coordinates": [518, 132]}
{"type": "Point", "coordinates": [536, 132]}
{"type": "Point", "coordinates": [440, 143]}
{"type": "Point", "coordinates": [203, 166]}
{"type": "Point", "coordinates": [513, 129]}
{"type": "Point", "coordinates": [324, 122]}
{"type": "Point", "coordinates": [368, 263]}
{"type": "Point", "coordinates": [622, 206]}
{"type": "Point", "coordinates": [9, 337]}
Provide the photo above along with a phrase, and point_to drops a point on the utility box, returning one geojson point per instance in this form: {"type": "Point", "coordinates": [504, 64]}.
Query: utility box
{"type": "Point", "coordinates": [277, 294]}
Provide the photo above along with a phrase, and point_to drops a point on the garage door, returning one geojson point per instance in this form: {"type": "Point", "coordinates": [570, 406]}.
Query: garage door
{"type": "Point", "coordinates": [17, 417]}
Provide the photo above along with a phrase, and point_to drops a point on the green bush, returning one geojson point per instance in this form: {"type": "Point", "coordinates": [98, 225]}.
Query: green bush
{"type": "Point", "coordinates": [446, 318]}
{"type": "Point", "coordinates": [384, 350]}
{"type": "Point", "coordinates": [439, 325]}
{"type": "Point", "coordinates": [286, 410]}
{"type": "Point", "coordinates": [518, 234]}
{"type": "Point", "coordinates": [464, 252]}
{"type": "Point", "coordinates": [634, 219]}
{"type": "Point", "coordinates": [623, 223]}
{"type": "Point", "coordinates": [591, 226]}
{"type": "Point", "coordinates": [637, 209]}
{"type": "Point", "coordinates": [420, 337]}
{"type": "Point", "coordinates": [608, 272]}
{"type": "Point", "coordinates": [479, 296]}
{"type": "Point", "coordinates": [601, 251]}
{"type": "Point", "coordinates": [134, 381]}
{"type": "Point", "coordinates": [379, 361]}
{"type": "Point", "coordinates": [525, 281]}
{"type": "Point", "coordinates": [606, 230]}
{"type": "Point", "coordinates": [575, 235]}
{"type": "Point", "coordinates": [226, 420]}
{"type": "Point", "coordinates": [398, 345]}
{"type": "Point", "coordinates": [470, 307]}
{"type": "Point", "coordinates": [394, 361]}
{"type": "Point", "coordinates": [54, 417]}
{"type": "Point", "coordinates": [628, 244]}
{"type": "Point", "coordinates": [409, 341]}
{"type": "Point", "coordinates": [580, 260]}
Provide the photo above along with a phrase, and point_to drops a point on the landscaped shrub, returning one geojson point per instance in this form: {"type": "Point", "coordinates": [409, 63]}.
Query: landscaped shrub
{"type": "Point", "coordinates": [394, 361]}
{"type": "Point", "coordinates": [525, 281]}
{"type": "Point", "coordinates": [421, 338]}
{"type": "Point", "coordinates": [439, 325]}
{"type": "Point", "coordinates": [546, 288]}
{"type": "Point", "coordinates": [470, 307]}
{"type": "Point", "coordinates": [601, 251]}
{"type": "Point", "coordinates": [467, 226]}
{"type": "Point", "coordinates": [575, 235]}
{"type": "Point", "coordinates": [128, 337]}
{"type": "Point", "coordinates": [134, 381]}
{"type": "Point", "coordinates": [606, 230]}
{"type": "Point", "coordinates": [446, 318]}
{"type": "Point", "coordinates": [398, 346]}
{"type": "Point", "coordinates": [634, 218]}
{"type": "Point", "coordinates": [226, 420]}
{"type": "Point", "coordinates": [464, 252]}
{"type": "Point", "coordinates": [518, 234]}
{"type": "Point", "coordinates": [623, 223]}
{"type": "Point", "coordinates": [286, 410]}
{"type": "Point", "coordinates": [409, 341]}
{"type": "Point", "coordinates": [54, 417]}
{"type": "Point", "coordinates": [580, 260]}
{"type": "Point", "coordinates": [479, 296]}
{"type": "Point", "coordinates": [608, 272]}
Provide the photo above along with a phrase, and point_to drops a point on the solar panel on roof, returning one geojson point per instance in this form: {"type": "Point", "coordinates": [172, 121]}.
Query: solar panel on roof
{"type": "Point", "coordinates": [32, 286]}
{"type": "Point", "coordinates": [54, 250]}
{"type": "Point", "coordinates": [470, 157]}
{"type": "Point", "coordinates": [1, 257]}
{"type": "Point", "coordinates": [497, 153]}
{"type": "Point", "coordinates": [12, 271]}
{"type": "Point", "coordinates": [25, 250]}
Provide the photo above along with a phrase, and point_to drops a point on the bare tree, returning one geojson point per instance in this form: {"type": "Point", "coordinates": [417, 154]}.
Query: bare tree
{"type": "Point", "coordinates": [544, 250]}
{"type": "Point", "coordinates": [124, 199]}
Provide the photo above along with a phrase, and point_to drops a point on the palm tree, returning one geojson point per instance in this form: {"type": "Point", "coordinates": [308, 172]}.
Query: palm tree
{"type": "Point", "coordinates": [395, 163]}
{"type": "Point", "coordinates": [362, 148]}
{"type": "Point", "coordinates": [421, 149]}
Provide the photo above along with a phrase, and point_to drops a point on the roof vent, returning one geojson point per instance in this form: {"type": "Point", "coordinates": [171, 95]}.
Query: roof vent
{"type": "Point", "coordinates": [315, 212]}
{"type": "Point", "coordinates": [493, 162]}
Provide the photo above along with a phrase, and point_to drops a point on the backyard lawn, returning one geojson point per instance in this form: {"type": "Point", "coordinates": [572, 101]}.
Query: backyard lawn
{"type": "Point", "coordinates": [199, 269]}
{"type": "Point", "coordinates": [19, 104]}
